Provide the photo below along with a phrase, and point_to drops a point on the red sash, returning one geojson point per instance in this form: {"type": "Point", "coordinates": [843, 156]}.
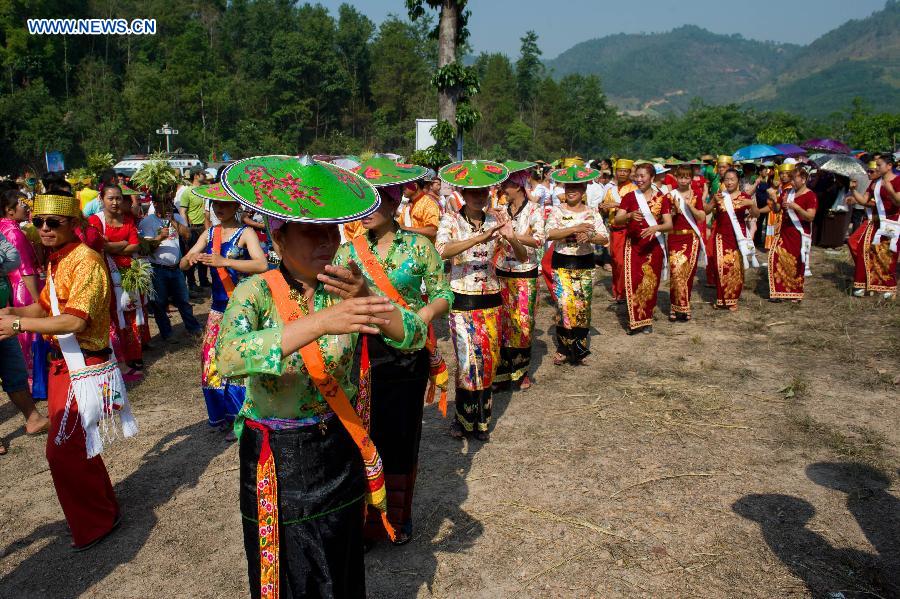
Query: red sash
{"type": "Point", "coordinates": [227, 283]}
{"type": "Point", "coordinates": [438, 374]}
{"type": "Point", "coordinates": [337, 400]}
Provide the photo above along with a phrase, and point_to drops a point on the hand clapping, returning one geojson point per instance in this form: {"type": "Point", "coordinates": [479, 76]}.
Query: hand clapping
{"type": "Point", "coordinates": [344, 282]}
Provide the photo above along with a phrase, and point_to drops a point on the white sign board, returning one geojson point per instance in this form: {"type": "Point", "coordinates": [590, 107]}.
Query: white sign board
{"type": "Point", "coordinates": [424, 138]}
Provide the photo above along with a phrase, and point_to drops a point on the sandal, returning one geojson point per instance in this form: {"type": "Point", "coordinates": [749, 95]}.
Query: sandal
{"type": "Point", "coordinates": [3, 447]}
{"type": "Point", "coordinates": [525, 384]}
{"type": "Point", "coordinates": [403, 535]}
{"type": "Point", "coordinates": [483, 436]}
{"type": "Point", "coordinates": [673, 317]}
{"type": "Point", "coordinates": [559, 359]}
{"type": "Point", "coordinates": [456, 430]}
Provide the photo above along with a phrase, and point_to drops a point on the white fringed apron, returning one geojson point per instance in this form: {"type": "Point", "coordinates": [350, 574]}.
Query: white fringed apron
{"type": "Point", "coordinates": [99, 389]}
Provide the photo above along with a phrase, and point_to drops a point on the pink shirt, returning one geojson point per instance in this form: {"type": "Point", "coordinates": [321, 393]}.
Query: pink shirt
{"type": "Point", "coordinates": [28, 267]}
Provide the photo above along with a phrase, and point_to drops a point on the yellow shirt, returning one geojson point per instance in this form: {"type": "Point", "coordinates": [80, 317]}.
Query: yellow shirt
{"type": "Point", "coordinates": [421, 212]}
{"type": "Point", "coordinates": [353, 229]}
{"type": "Point", "coordinates": [614, 197]}
{"type": "Point", "coordinates": [83, 289]}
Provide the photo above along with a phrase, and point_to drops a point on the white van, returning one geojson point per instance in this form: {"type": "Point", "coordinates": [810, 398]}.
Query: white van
{"type": "Point", "coordinates": [181, 162]}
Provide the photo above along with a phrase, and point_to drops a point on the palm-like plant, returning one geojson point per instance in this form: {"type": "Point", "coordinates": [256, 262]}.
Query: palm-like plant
{"type": "Point", "coordinates": [156, 175]}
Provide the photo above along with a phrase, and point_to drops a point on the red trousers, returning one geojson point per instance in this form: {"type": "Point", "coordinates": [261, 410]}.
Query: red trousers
{"type": "Point", "coordinates": [82, 485]}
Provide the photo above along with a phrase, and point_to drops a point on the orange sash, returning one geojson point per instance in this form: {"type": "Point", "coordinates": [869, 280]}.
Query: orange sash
{"type": "Point", "coordinates": [439, 375]}
{"type": "Point", "coordinates": [227, 283]}
{"type": "Point", "coordinates": [337, 400]}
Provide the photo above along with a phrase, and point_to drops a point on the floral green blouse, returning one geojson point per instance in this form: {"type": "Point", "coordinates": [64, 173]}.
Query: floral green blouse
{"type": "Point", "coordinates": [280, 389]}
{"type": "Point", "coordinates": [411, 263]}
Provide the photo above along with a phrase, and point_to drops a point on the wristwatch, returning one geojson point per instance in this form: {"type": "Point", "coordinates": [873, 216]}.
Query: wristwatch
{"type": "Point", "coordinates": [17, 326]}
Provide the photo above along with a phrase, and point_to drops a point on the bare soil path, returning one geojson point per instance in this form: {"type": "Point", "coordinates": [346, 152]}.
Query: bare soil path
{"type": "Point", "coordinates": [753, 454]}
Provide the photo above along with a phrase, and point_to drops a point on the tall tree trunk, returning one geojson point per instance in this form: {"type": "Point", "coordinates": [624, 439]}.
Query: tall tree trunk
{"type": "Point", "coordinates": [446, 54]}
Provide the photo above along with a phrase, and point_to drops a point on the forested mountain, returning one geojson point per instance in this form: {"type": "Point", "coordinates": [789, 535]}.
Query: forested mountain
{"type": "Point", "coordinates": [664, 71]}
{"type": "Point", "coordinates": [281, 76]}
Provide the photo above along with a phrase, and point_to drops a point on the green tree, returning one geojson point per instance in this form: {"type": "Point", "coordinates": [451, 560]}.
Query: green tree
{"type": "Point", "coordinates": [529, 72]}
{"type": "Point", "coordinates": [873, 132]}
{"type": "Point", "coordinates": [35, 123]}
{"type": "Point", "coordinates": [496, 100]}
{"type": "Point", "coordinates": [353, 37]}
{"type": "Point", "coordinates": [586, 116]}
{"type": "Point", "coordinates": [520, 141]}
{"type": "Point", "coordinates": [400, 89]}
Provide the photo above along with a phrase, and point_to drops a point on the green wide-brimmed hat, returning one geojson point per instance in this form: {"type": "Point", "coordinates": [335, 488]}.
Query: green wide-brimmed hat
{"type": "Point", "coordinates": [473, 173]}
{"type": "Point", "coordinates": [518, 165]}
{"type": "Point", "coordinates": [381, 171]}
{"type": "Point", "coordinates": [300, 189]}
{"type": "Point", "coordinates": [214, 192]}
{"type": "Point", "coordinates": [574, 174]}
{"type": "Point", "coordinates": [672, 161]}
{"type": "Point", "coordinates": [127, 191]}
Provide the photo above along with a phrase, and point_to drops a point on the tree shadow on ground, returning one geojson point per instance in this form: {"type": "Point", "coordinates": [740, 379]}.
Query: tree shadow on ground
{"type": "Point", "coordinates": [810, 556]}
{"type": "Point", "coordinates": [151, 485]}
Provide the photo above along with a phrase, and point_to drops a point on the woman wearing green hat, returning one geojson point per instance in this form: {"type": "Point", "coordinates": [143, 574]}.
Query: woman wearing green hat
{"type": "Point", "coordinates": [471, 239]}
{"type": "Point", "coordinates": [518, 280]}
{"type": "Point", "coordinates": [306, 460]}
{"type": "Point", "coordinates": [574, 228]}
{"type": "Point", "coordinates": [398, 264]}
{"type": "Point", "coordinates": [231, 251]}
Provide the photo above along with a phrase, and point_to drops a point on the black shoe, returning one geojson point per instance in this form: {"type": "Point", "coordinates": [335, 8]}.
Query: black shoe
{"type": "Point", "coordinates": [80, 548]}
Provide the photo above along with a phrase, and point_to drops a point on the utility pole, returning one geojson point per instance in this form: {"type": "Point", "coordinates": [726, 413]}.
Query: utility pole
{"type": "Point", "coordinates": [167, 131]}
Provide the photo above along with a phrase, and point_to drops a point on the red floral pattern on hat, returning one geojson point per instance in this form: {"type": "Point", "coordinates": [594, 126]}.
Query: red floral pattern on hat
{"type": "Point", "coordinates": [461, 174]}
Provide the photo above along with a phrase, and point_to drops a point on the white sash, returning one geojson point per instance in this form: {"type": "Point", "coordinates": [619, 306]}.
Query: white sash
{"type": "Point", "coordinates": [99, 390]}
{"type": "Point", "coordinates": [887, 229]}
{"type": "Point", "coordinates": [805, 240]}
{"type": "Point", "coordinates": [124, 301]}
{"type": "Point", "coordinates": [689, 217]}
{"type": "Point", "coordinates": [615, 194]}
{"type": "Point", "coordinates": [407, 214]}
{"type": "Point", "coordinates": [746, 247]}
{"type": "Point", "coordinates": [651, 221]}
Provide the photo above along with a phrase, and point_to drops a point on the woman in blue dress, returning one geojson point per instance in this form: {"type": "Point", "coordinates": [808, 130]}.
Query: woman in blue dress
{"type": "Point", "coordinates": [231, 251]}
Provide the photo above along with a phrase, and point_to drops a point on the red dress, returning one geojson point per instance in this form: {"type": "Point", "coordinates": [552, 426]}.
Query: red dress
{"type": "Point", "coordinates": [729, 264]}
{"type": "Point", "coordinates": [786, 266]}
{"type": "Point", "coordinates": [684, 251]}
{"type": "Point", "coordinates": [643, 259]}
{"type": "Point", "coordinates": [127, 339]}
{"type": "Point", "coordinates": [875, 266]}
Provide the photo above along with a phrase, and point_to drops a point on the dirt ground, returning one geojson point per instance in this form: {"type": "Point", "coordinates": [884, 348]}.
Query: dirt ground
{"type": "Point", "coordinates": [753, 454]}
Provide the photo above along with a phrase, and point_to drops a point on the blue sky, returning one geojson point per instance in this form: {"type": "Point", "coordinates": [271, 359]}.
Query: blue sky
{"type": "Point", "coordinates": [497, 25]}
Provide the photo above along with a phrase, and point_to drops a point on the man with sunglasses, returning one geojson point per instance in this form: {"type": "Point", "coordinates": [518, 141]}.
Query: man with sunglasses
{"type": "Point", "coordinates": [82, 289]}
